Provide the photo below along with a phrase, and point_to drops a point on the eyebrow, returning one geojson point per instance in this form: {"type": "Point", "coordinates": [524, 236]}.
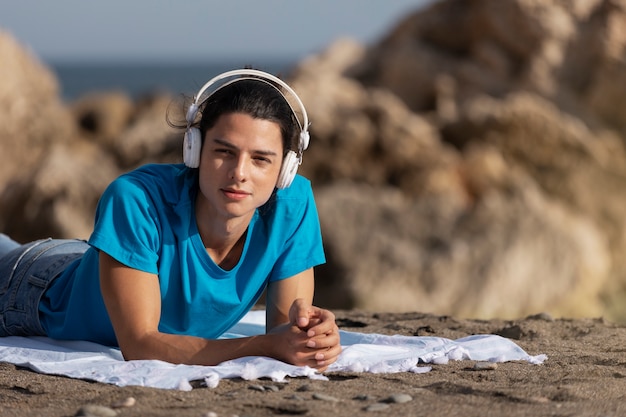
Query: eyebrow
{"type": "Point", "coordinates": [227, 144]}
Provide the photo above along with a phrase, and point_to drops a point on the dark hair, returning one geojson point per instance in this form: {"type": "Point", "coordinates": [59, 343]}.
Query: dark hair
{"type": "Point", "coordinates": [256, 98]}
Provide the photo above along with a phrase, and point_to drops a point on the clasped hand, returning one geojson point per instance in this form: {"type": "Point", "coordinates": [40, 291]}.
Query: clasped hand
{"type": "Point", "coordinates": [310, 338]}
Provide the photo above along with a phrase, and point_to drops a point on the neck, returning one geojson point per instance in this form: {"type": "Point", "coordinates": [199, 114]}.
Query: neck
{"type": "Point", "coordinates": [223, 238]}
{"type": "Point", "coordinates": [227, 257]}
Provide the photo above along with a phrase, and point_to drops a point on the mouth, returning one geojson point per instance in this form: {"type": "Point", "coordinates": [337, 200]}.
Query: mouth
{"type": "Point", "coordinates": [235, 194]}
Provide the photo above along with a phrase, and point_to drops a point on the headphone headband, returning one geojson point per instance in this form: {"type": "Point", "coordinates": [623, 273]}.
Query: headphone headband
{"type": "Point", "coordinates": [243, 75]}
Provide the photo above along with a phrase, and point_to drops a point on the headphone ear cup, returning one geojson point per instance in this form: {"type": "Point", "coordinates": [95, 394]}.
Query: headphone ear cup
{"type": "Point", "coordinates": [192, 145]}
{"type": "Point", "coordinates": [288, 170]}
{"type": "Point", "coordinates": [304, 139]}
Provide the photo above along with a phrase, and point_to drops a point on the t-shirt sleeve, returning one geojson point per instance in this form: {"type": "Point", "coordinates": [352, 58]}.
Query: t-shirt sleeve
{"type": "Point", "coordinates": [127, 226]}
{"type": "Point", "coordinates": [303, 248]}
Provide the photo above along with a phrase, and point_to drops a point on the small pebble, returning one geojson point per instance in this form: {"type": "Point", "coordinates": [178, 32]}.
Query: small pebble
{"type": "Point", "coordinates": [485, 366]}
{"type": "Point", "coordinates": [209, 414]}
{"type": "Point", "coordinates": [541, 316]}
{"type": "Point", "coordinates": [398, 399]}
{"type": "Point", "coordinates": [257, 388]}
{"type": "Point", "coordinates": [377, 407]}
{"type": "Point", "coordinates": [92, 410]}
{"type": "Point", "coordinates": [324, 397]}
{"type": "Point", "coordinates": [273, 388]}
{"type": "Point", "coordinates": [234, 393]}
{"type": "Point", "coordinates": [126, 402]}
{"type": "Point", "coordinates": [291, 409]}
{"type": "Point", "coordinates": [540, 400]}
{"type": "Point", "coordinates": [514, 332]}
{"type": "Point", "coordinates": [364, 397]}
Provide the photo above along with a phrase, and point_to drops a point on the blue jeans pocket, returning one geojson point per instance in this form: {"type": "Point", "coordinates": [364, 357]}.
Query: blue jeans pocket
{"type": "Point", "coordinates": [25, 274]}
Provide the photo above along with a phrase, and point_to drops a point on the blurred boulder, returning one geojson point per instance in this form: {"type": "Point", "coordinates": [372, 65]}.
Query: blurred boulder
{"type": "Point", "coordinates": [104, 115]}
{"type": "Point", "coordinates": [58, 158]}
{"type": "Point", "coordinates": [509, 250]}
{"type": "Point", "coordinates": [32, 114]}
{"type": "Point", "coordinates": [58, 196]}
{"type": "Point", "coordinates": [32, 122]}
{"type": "Point", "coordinates": [582, 170]}
{"type": "Point", "coordinates": [132, 132]}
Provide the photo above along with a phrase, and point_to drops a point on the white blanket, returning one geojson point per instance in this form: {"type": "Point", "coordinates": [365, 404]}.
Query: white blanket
{"type": "Point", "coordinates": [362, 352]}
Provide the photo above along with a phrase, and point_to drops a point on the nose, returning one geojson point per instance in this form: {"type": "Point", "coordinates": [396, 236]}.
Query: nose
{"type": "Point", "coordinates": [239, 171]}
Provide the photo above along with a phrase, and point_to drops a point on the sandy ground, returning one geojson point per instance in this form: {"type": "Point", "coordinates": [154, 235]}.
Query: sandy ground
{"type": "Point", "coordinates": [585, 375]}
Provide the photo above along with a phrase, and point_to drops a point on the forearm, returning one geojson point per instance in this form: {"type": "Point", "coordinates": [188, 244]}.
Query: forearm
{"type": "Point", "coordinates": [282, 294]}
{"type": "Point", "coordinates": [193, 350]}
{"type": "Point", "coordinates": [316, 347]}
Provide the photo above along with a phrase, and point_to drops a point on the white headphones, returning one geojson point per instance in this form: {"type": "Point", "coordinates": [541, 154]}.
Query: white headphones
{"type": "Point", "coordinates": [192, 143]}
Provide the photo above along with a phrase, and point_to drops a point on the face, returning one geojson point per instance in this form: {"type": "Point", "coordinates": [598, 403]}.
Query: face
{"type": "Point", "coordinates": [239, 166]}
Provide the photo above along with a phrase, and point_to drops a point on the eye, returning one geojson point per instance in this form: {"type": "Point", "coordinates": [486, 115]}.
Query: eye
{"type": "Point", "coordinates": [223, 151]}
{"type": "Point", "coordinates": [263, 159]}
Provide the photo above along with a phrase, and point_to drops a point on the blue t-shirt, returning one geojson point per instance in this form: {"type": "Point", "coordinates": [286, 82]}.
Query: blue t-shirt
{"type": "Point", "coordinates": [146, 220]}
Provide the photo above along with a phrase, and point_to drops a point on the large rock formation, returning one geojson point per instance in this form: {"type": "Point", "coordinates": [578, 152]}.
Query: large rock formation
{"type": "Point", "coordinates": [57, 159]}
{"type": "Point", "coordinates": [505, 160]}
{"type": "Point", "coordinates": [471, 163]}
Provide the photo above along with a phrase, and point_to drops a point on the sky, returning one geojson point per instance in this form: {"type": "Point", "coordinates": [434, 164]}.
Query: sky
{"type": "Point", "coordinates": [195, 30]}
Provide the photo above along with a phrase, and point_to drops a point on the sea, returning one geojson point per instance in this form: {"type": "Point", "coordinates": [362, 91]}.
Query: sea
{"type": "Point", "coordinates": [139, 79]}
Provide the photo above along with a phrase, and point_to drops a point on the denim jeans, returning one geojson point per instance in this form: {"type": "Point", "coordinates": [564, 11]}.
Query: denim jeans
{"type": "Point", "coordinates": [26, 271]}
{"type": "Point", "coordinates": [7, 245]}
